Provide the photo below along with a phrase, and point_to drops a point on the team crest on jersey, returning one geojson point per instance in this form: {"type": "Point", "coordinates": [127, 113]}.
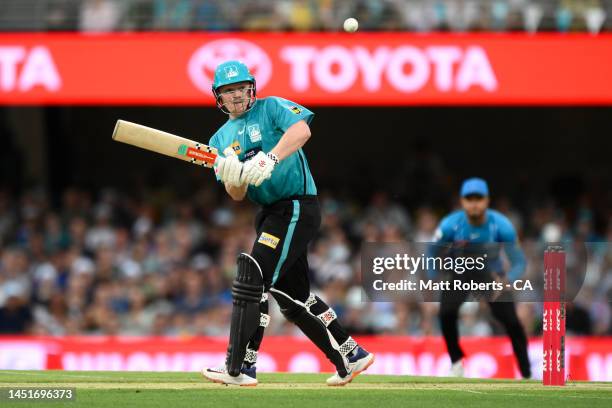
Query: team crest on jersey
{"type": "Point", "coordinates": [231, 72]}
{"type": "Point", "coordinates": [236, 147]}
{"type": "Point", "coordinates": [254, 133]}
{"type": "Point", "coordinates": [295, 110]}
{"type": "Point", "coordinates": [268, 240]}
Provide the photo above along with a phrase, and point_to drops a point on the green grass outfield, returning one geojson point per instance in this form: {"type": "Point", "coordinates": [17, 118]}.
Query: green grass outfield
{"type": "Point", "coordinates": [175, 390]}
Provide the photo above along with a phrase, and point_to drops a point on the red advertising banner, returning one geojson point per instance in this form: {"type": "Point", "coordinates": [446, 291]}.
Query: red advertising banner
{"type": "Point", "coordinates": [314, 69]}
{"type": "Point", "coordinates": [586, 358]}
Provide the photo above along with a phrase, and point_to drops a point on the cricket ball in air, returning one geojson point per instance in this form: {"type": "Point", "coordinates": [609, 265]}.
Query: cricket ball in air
{"type": "Point", "coordinates": [351, 25]}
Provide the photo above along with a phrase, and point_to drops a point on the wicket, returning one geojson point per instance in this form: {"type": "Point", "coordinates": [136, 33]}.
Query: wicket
{"type": "Point", "coordinates": [553, 318]}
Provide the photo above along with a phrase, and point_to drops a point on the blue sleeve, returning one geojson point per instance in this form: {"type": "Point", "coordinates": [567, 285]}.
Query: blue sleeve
{"type": "Point", "coordinates": [284, 113]}
{"type": "Point", "coordinates": [444, 234]}
{"type": "Point", "coordinates": [507, 235]}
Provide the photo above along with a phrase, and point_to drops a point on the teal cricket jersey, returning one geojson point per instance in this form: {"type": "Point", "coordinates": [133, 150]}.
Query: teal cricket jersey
{"type": "Point", "coordinates": [260, 129]}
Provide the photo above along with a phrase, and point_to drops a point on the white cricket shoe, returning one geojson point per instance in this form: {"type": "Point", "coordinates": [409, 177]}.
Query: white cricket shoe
{"type": "Point", "coordinates": [456, 369]}
{"type": "Point", "coordinates": [357, 363]}
{"type": "Point", "coordinates": [220, 375]}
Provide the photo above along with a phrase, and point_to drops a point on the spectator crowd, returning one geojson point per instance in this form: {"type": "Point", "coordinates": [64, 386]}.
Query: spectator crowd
{"type": "Point", "coordinates": [151, 263]}
{"type": "Point", "coordinates": [305, 15]}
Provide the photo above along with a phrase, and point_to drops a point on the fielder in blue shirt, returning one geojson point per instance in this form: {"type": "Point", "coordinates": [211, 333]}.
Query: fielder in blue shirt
{"type": "Point", "coordinates": [480, 228]}
{"type": "Point", "coordinates": [262, 159]}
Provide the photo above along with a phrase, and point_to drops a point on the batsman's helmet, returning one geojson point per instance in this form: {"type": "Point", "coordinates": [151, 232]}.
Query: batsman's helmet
{"type": "Point", "coordinates": [233, 72]}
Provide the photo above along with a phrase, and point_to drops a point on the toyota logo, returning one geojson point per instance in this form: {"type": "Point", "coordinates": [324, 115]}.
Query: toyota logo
{"type": "Point", "coordinates": [205, 59]}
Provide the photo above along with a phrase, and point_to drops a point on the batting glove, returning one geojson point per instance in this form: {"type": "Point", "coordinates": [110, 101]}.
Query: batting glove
{"type": "Point", "coordinates": [259, 168]}
{"type": "Point", "coordinates": [229, 168]}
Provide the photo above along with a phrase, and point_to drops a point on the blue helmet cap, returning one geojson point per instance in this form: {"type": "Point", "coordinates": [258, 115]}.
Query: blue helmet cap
{"type": "Point", "coordinates": [476, 186]}
{"type": "Point", "coordinates": [231, 72]}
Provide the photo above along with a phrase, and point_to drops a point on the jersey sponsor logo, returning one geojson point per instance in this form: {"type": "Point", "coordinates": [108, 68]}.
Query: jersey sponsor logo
{"type": "Point", "coordinates": [295, 109]}
{"type": "Point", "coordinates": [251, 153]}
{"type": "Point", "coordinates": [254, 133]}
{"type": "Point", "coordinates": [268, 240]}
{"type": "Point", "coordinates": [236, 147]}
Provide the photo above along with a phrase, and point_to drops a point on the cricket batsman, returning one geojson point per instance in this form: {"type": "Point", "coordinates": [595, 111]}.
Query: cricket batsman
{"type": "Point", "coordinates": [263, 160]}
{"type": "Point", "coordinates": [477, 226]}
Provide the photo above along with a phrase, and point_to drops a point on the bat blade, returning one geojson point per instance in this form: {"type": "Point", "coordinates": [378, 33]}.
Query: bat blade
{"type": "Point", "coordinates": [164, 143]}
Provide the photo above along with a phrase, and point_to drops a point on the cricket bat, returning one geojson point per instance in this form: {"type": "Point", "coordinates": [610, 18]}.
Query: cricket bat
{"type": "Point", "coordinates": [164, 143]}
